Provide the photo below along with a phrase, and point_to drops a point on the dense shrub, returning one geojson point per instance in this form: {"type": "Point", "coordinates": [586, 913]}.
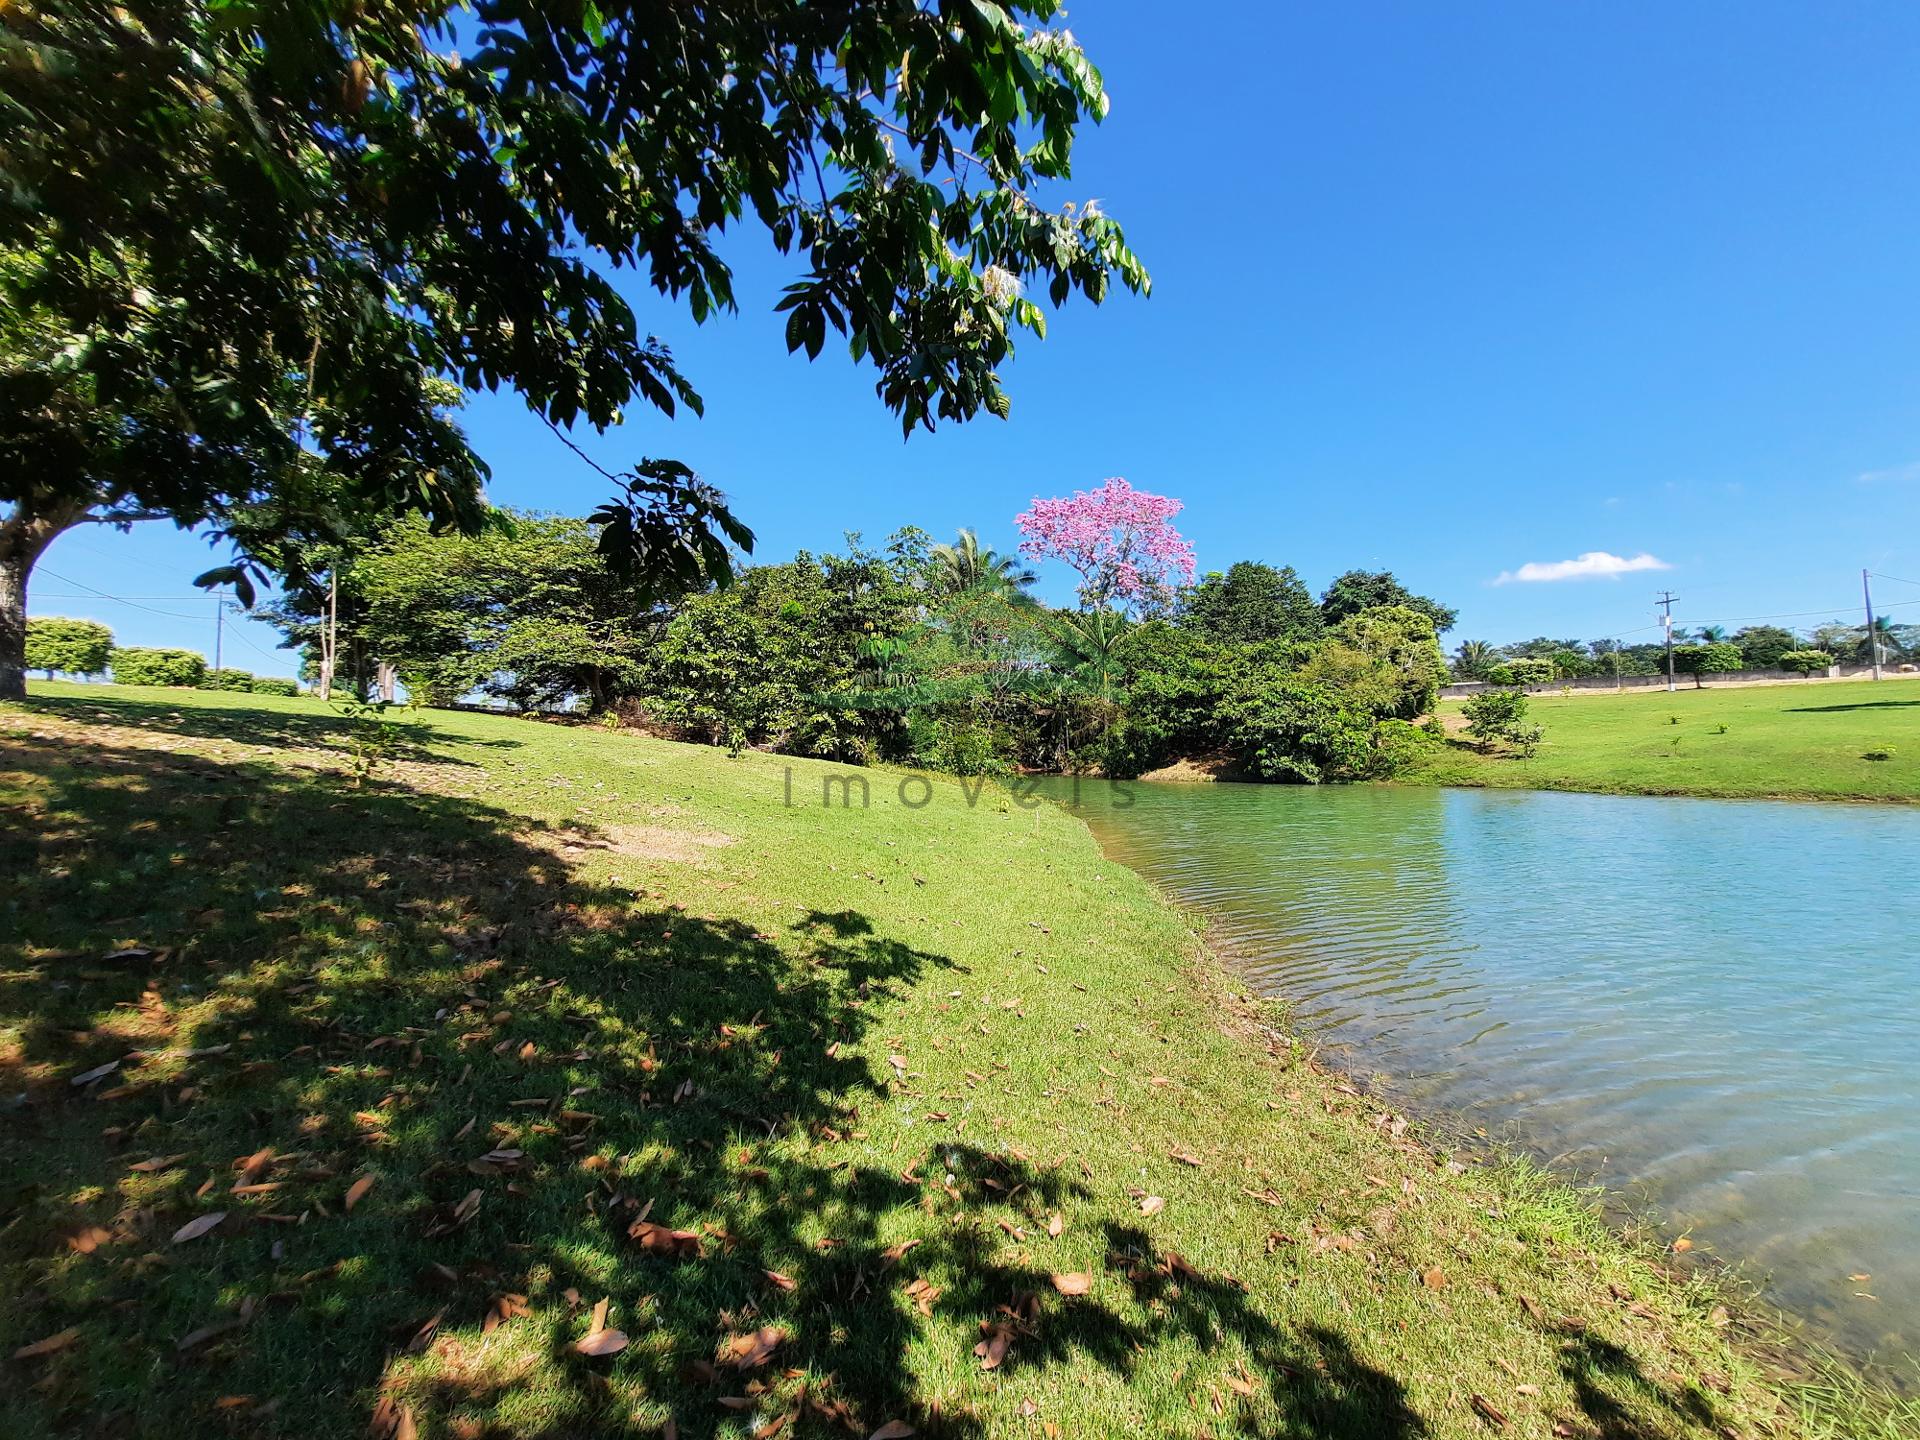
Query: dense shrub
{"type": "Point", "coordinates": [228, 679]}
{"type": "Point", "coordinates": [1298, 731]}
{"type": "Point", "coordinates": [1400, 746]}
{"type": "Point", "coordinates": [1805, 662]}
{"type": "Point", "coordinates": [138, 666]}
{"type": "Point", "coordinates": [1527, 670]}
{"type": "Point", "coordinates": [274, 685]}
{"type": "Point", "coordinates": [69, 647]}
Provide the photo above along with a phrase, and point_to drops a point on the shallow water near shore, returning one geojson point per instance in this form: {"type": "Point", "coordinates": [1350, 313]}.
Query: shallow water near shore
{"type": "Point", "coordinates": [1709, 1007]}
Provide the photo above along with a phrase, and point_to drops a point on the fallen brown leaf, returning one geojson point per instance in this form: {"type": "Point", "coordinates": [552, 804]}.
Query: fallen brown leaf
{"type": "Point", "coordinates": [357, 1191]}
{"type": "Point", "coordinates": [49, 1345]}
{"type": "Point", "coordinates": [1055, 1225]}
{"type": "Point", "coordinates": [1434, 1279]}
{"type": "Point", "coordinates": [602, 1342]}
{"type": "Point", "coordinates": [893, 1430]}
{"type": "Point", "coordinates": [198, 1226]}
{"type": "Point", "coordinates": [1152, 1205]}
{"type": "Point", "coordinates": [1074, 1282]}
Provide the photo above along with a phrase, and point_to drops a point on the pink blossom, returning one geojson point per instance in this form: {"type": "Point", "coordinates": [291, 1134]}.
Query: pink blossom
{"type": "Point", "coordinates": [1120, 540]}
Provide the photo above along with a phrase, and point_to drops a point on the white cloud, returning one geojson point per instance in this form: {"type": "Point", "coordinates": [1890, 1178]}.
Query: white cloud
{"type": "Point", "coordinates": [1898, 475]}
{"type": "Point", "coordinates": [1593, 565]}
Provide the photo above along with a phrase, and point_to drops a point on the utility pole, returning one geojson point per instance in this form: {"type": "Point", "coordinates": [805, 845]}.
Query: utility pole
{"type": "Point", "coordinates": [1873, 638]}
{"type": "Point", "coordinates": [1667, 597]}
{"type": "Point", "coordinates": [219, 625]}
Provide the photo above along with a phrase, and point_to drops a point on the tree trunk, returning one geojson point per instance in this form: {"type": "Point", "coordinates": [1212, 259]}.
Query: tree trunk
{"type": "Point", "coordinates": [13, 630]}
{"type": "Point", "coordinates": [25, 534]}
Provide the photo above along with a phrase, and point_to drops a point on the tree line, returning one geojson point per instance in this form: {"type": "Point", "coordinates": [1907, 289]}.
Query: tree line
{"type": "Point", "coordinates": [1709, 649]}
{"type": "Point", "coordinates": [912, 651]}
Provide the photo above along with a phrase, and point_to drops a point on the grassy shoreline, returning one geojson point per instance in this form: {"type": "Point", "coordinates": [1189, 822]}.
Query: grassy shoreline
{"type": "Point", "coordinates": [1789, 742]}
{"type": "Point", "coordinates": [857, 1065]}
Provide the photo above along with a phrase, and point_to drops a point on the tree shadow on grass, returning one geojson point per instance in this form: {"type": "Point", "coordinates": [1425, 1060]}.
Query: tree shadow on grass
{"type": "Point", "coordinates": [322, 728]}
{"type": "Point", "coordinates": [448, 1095]}
{"type": "Point", "coordinates": [1861, 705]}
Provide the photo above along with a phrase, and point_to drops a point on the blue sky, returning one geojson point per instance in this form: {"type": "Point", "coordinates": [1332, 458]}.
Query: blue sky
{"type": "Point", "coordinates": [1447, 290]}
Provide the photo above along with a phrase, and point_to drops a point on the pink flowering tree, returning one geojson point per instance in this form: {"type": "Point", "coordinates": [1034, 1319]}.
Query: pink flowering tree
{"type": "Point", "coordinates": [1120, 540]}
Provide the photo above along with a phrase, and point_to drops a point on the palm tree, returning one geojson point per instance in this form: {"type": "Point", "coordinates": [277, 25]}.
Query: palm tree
{"type": "Point", "coordinates": [1473, 659]}
{"type": "Point", "coordinates": [1711, 634]}
{"type": "Point", "coordinates": [964, 566]}
{"type": "Point", "coordinates": [1087, 640]}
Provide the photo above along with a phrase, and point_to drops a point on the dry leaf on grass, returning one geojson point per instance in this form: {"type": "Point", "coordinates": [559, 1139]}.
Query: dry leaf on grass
{"type": "Point", "coordinates": [1152, 1205]}
{"type": "Point", "coordinates": [1434, 1279]}
{"type": "Point", "coordinates": [602, 1342]}
{"type": "Point", "coordinates": [1055, 1225]}
{"type": "Point", "coordinates": [1075, 1282]}
{"type": "Point", "coordinates": [357, 1191]}
{"type": "Point", "coordinates": [893, 1430]}
{"type": "Point", "coordinates": [49, 1345]}
{"type": "Point", "coordinates": [198, 1226]}
{"type": "Point", "coordinates": [749, 1352]}
{"type": "Point", "coordinates": [659, 1240]}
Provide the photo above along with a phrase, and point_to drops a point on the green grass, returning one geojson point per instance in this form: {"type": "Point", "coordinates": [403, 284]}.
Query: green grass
{"type": "Point", "coordinates": [1807, 741]}
{"type": "Point", "coordinates": [861, 1059]}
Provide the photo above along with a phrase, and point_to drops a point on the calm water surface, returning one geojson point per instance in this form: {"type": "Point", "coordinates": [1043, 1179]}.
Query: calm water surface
{"type": "Point", "coordinates": [1709, 1006]}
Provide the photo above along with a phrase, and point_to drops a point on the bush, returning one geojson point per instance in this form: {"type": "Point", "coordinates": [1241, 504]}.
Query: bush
{"type": "Point", "coordinates": [1500, 675]}
{"type": "Point", "coordinates": [1500, 715]}
{"type": "Point", "coordinates": [1530, 670]}
{"type": "Point", "coordinates": [1400, 746]}
{"type": "Point", "coordinates": [274, 685]}
{"type": "Point", "coordinates": [1805, 662]}
{"type": "Point", "coordinates": [139, 666]}
{"type": "Point", "coordinates": [1303, 732]}
{"type": "Point", "coordinates": [71, 647]}
{"type": "Point", "coordinates": [228, 679]}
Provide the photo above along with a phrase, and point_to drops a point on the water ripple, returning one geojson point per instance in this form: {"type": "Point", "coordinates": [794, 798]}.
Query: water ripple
{"type": "Point", "coordinates": [1709, 1003]}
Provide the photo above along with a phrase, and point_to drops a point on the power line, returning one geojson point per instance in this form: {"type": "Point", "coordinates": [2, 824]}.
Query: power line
{"type": "Point", "coordinates": [238, 634]}
{"type": "Point", "coordinates": [117, 599]}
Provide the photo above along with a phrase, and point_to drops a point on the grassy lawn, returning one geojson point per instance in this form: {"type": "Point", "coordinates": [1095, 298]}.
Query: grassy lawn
{"type": "Point", "coordinates": [1799, 741]}
{"type": "Point", "coordinates": [328, 1106]}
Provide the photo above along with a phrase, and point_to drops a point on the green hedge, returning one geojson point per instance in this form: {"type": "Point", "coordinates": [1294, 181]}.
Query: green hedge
{"type": "Point", "coordinates": [241, 680]}
{"type": "Point", "coordinates": [70, 647]}
{"type": "Point", "coordinates": [274, 685]}
{"type": "Point", "coordinates": [137, 666]}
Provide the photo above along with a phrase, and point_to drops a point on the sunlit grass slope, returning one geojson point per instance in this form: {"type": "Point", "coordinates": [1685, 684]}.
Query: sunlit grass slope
{"type": "Point", "coordinates": [333, 1107]}
{"type": "Point", "coordinates": [1808, 740]}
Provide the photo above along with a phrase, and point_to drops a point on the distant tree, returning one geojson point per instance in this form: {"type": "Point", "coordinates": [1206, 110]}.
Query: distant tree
{"type": "Point", "coordinates": [1121, 541]}
{"type": "Point", "coordinates": [1761, 646]}
{"type": "Point", "coordinates": [1089, 641]}
{"type": "Point", "coordinates": [1252, 603]}
{"type": "Point", "coordinates": [71, 647]}
{"type": "Point", "coordinates": [1473, 659]}
{"type": "Point", "coordinates": [1841, 640]}
{"type": "Point", "coordinates": [240, 681]}
{"type": "Point", "coordinates": [1711, 634]}
{"type": "Point", "coordinates": [1359, 590]}
{"type": "Point", "coordinates": [1701, 660]}
{"type": "Point", "coordinates": [1570, 664]}
{"type": "Point", "coordinates": [1805, 662]}
{"type": "Point", "coordinates": [964, 565]}
{"type": "Point", "coordinates": [1523, 670]}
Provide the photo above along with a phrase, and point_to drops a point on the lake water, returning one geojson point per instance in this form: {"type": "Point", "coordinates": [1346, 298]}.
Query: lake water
{"type": "Point", "coordinates": [1707, 1006]}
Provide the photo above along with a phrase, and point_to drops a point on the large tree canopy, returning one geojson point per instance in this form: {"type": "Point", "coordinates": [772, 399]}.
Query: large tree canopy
{"type": "Point", "coordinates": [249, 230]}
